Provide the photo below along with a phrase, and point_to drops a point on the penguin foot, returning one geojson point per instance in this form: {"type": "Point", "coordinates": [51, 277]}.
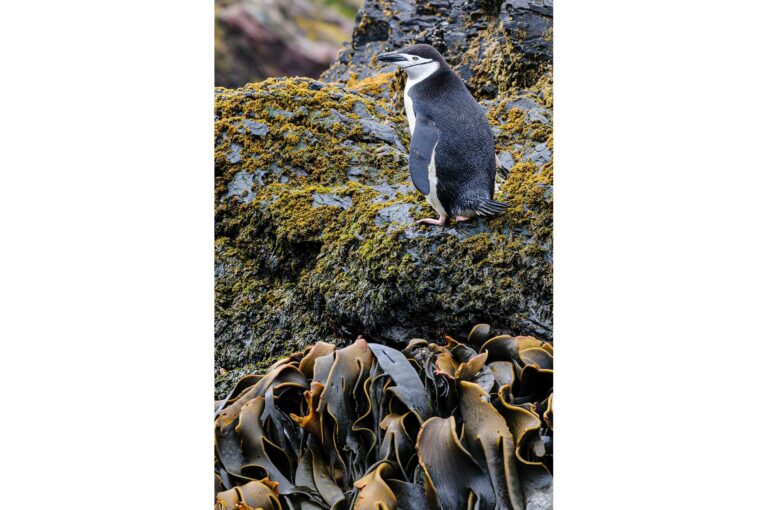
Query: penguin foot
{"type": "Point", "coordinates": [432, 221]}
{"type": "Point", "coordinates": [463, 218]}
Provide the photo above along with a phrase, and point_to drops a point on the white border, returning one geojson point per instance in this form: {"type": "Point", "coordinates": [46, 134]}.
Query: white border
{"type": "Point", "coordinates": [660, 254]}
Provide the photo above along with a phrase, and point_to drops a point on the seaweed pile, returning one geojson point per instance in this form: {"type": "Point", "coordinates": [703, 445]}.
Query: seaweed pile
{"type": "Point", "coordinates": [454, 426]}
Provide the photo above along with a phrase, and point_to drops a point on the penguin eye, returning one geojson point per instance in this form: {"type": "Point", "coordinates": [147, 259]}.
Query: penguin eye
{"type": "Point", "coordinates": [415, 58]}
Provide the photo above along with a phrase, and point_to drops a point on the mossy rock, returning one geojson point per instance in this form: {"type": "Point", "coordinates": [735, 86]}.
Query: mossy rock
{"type": "Point", "coordinates": [315, 225]}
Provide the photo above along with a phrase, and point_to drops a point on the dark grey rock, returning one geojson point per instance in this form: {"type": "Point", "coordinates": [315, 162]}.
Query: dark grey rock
{"type": "Point", "coordinates": [397, 214]}
{"type": "Point", "coordinates": [233, 156]}
{"type": "Point", "coordinates": [329, 119]}
{"type": "Point", "coordinates": [241, 186]}
{"type": "Point", "coordinates": [390, 191]}
{"type": "Point", "coordinates": [539, 155]}
{"type": "Point", "coordinates": [537, 115]}
{"type": "Point", "coordinates": [506, 160]}
{"type": "Point", "coordinates": [255, 128]}
{"type": "Point", "coordinates": [383, 132]}
{"type": "Point", "coordinates": [319, 199]}
{"type": "Point", "coordinates": [277, 112]}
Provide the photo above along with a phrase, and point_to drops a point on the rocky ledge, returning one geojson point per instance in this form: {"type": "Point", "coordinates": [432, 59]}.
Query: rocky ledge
{"type": "Point", "coordinates": [315, 212]}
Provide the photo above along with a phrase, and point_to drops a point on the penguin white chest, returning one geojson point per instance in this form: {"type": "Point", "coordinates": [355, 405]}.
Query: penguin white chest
{"type": "Point", "coordinates": [416, 74]}
{"type": "Point", "coordinates": [409, 111]}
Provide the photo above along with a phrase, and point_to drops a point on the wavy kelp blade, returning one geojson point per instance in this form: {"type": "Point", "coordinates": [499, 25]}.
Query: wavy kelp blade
{"type": "Point", "coordinates": [461, 352]}
{"type": "Point", "coordinates": [349, 365]}
{"type": "Point", "coordinates": [228, 454]}
{"type": "Point", "coordinates": [520, 419]}
{"type": "Point", "coordinates": [474, 370]}
{"type": "Point", "coordinates": [278, 425]}
{"type": "Point", "coordinates": [537, 356]}
{"type": "Point", "coordinates": [489, 437]}
{"type": "Point", "coordinates": [409, 496]}
{"type": "Point", "coordinates": [526, 342]}
{"type": "Point", "coordinates": [535, 383]}
{"type": "Point", "coordinates": [408, 387]}
{"type": "Point", "coordinates": [503, 372]}
{"type": "Point", "coordinates": [307, 363]}
{"type": "Point", "coordinates": [293, 359]}
{"type": "Point", "coordinates": [525, 426]}
{"type": "Point", "coordinates": [446, 365]}
{"type": "Point", "coordinates": [322, 367]}
{"type": "Point", "coordinates": [305, 490]}
{"type": "Point", "coordinates": [284, 373]}
{"type": "Point", "coordinates": [451, 470]}
{"type": "Point", "coordinates": [501, 348]}
{"type": "Point", "coordinates": [366, 426]}
{"type": "Point", "coordinates": [331, 493]}
{"type": "Point", "coordinates": [373, 491]}
{"type": "Point", "coordinates": [469, 369]}
{"type": "Point", "coordinates": [538, 451]}
{"type": "Point", "coordinates": [259, 453]}
{"type": "Point", "coordinates": [479, 335]}
{"type": "Point", "coordinates": [414, 344]}
{"type": "Point", "coordinates": [397, 444]}
{"type": "Point", "coordinates": [548, 416]}
{"type": "Point", "coordinates": [344, 392]}
{"type": "Point", "coordinates": [240, 386]}
{"type": "Point", "coordinates": [256, 494]}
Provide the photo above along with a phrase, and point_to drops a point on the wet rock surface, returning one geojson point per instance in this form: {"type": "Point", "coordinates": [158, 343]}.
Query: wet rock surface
{"type": "Point", "coordinates": [315, 211]}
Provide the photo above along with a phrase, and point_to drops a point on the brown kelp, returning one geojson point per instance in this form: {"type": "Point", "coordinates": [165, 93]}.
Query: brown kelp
{"type": "Point", "coordinates": [453, 426]}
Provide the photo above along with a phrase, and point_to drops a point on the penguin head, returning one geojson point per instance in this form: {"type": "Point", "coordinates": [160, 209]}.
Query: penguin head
{"type": "Point", "coordinates": [417, 60]}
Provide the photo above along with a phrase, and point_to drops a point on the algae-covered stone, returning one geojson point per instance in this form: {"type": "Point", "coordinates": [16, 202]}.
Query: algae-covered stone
{"type": "Point", "coordinates": [314, 255]}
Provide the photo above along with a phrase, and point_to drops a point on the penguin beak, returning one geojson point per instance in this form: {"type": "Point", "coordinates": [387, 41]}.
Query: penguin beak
{"type": "Point", "coordinates": [391, 57]}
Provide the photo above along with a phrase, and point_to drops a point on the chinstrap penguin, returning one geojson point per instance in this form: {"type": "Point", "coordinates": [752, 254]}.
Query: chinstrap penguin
{"type": "Point", "coordinates": [452, 157]}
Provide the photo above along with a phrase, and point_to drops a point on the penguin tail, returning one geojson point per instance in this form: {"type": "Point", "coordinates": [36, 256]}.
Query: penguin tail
{"type": "Point", "coordinates": [490, 207]}
{"type": "Point", "coordinates": [500, 168]}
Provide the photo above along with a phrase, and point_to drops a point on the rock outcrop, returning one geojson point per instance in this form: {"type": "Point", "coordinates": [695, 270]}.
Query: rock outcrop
{"type": "Point", "coordinates": [496, 46]}
{"type": "Point", "coordinates": [315, 212]}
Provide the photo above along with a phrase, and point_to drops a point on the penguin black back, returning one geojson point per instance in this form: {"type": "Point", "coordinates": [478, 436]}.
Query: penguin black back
{"type": "Point", "coordinates": [451, 137]}
{"type": "Point", "coordinates": [465, 155]}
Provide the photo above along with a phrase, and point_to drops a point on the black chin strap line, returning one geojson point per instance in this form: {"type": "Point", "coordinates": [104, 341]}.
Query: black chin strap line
{"type": "Point", "coordinates": [414, 65]}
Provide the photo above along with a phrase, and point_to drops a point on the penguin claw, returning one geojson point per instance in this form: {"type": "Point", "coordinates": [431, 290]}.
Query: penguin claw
{"type": "Point", "coordinates": [431, 221]}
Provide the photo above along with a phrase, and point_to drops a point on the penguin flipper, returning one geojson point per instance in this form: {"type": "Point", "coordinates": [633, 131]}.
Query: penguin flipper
{"type": "Point", "coordinates": [423, 144]}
